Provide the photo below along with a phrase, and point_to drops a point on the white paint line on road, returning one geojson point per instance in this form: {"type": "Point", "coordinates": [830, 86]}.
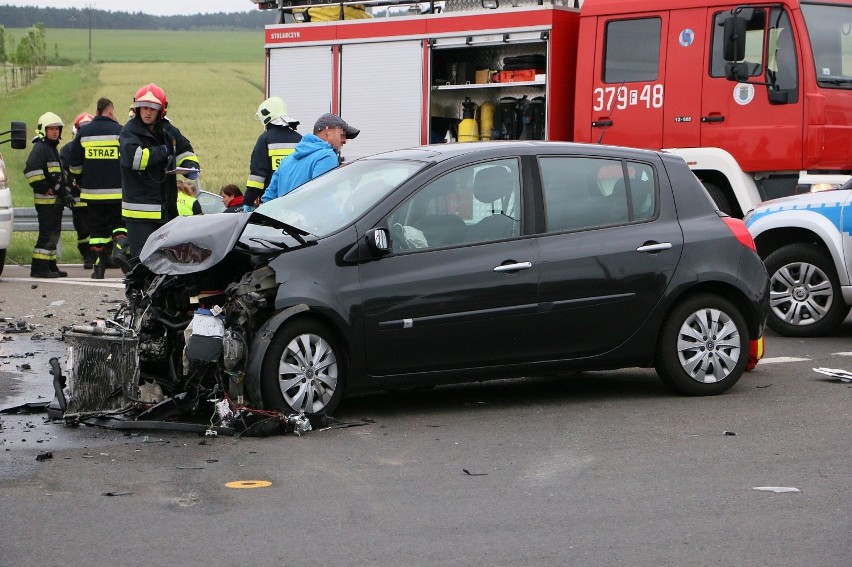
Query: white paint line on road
{"type": "Point", "coordinates": [115, 283]}
{"type": "Point", "coordinates": [778, 359]}
{"type": "Point", "coordinates": [848, 353]}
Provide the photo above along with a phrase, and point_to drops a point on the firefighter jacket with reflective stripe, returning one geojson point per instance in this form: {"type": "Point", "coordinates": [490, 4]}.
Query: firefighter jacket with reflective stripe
{"type": "Point", "coordinates": [148, 193]}
{"type": "Point", "coordinates": [276, 143]}
{"type": "Point", "coordinates": [93, 160]}
{"type": "Point", "coordinates": [43, 171]}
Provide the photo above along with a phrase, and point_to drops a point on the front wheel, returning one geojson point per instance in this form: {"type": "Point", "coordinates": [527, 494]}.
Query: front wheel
{"type": "Point", "coordinates": [703, 348]}
{"type": "Point", "coordinates": [719, 197]}
{"type": "Point", "coordinates": [804, 293]}
{"type": "Point", "coordinates": [304, 370]}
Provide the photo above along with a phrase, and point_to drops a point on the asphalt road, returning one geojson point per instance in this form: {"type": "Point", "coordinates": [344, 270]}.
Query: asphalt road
{"type": "Point", "coordinates": [604, 468]}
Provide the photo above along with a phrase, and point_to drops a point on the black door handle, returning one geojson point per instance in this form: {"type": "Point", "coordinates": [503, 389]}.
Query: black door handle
{"type": "Point", "coordinates": [601, 123]}
{"type": "Point", "coordinates": [713, 118]}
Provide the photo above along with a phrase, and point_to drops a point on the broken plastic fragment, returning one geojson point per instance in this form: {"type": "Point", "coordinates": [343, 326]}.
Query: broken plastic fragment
{"type": "Point", "coordinates": [299, 423]}
{"type": "Point", "coordinates": [776, 488]}
{"type": "Point", "coordinates": [840, 374]}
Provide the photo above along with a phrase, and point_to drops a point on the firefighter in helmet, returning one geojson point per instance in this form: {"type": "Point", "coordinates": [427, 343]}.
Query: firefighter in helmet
{"type": "Point", "coordinates": [79, 211]}
{"type": "Point", "coordinates": [150, 148]}
{"type": "Point", "coordinates": [94, 162]}
{"type": "Point", "coordinates": [278, 140]}
{"type": "Point", "coordinates": [43, 172]}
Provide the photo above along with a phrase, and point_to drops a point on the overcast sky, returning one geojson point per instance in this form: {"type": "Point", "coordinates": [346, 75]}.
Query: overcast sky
{"type": "Point", "coordinates": [154, 7]}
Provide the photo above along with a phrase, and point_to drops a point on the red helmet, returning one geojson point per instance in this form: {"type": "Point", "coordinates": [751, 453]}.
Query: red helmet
{"type": "Point", "coordinates": [151, 96]}
{"type": "Point", "coordinates": [82, 118]}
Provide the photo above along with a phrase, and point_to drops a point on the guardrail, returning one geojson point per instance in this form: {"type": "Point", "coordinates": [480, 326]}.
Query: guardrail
{"type": "Point", "coordinates": [25, 219]}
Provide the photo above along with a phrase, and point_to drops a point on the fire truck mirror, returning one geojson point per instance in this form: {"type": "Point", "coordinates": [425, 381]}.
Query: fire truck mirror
{"type": "Point", "coordinates": [734, 34]}
{"type": "Point", "coordinates": [736, 72]}
{"type": "Point", "coordinates": [19, 135]}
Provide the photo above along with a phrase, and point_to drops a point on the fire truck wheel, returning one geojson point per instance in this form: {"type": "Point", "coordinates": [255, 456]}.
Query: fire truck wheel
{"type": "Point", "coordinates": [304, 369]}
{"type": "Point", "coordinates": [805, 296]}
{"type": "Point", "coordinates": [718, 197]}
{"type": "Point", "coordinates": [703, 347]}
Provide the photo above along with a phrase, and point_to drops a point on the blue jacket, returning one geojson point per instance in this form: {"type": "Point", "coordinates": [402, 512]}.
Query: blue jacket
{"type": "Point", "coordinates": [312, 157]}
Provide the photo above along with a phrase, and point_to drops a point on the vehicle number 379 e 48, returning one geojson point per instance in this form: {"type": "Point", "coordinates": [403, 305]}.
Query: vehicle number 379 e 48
{"type": "Point", "coordinates": [649, 96]}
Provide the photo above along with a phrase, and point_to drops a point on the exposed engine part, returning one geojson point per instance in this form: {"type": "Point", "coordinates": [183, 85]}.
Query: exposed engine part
{"type": "Point", "coordinates": [234, 348]}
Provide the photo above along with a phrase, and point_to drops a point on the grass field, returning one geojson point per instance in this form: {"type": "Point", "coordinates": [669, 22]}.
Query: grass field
{"type": "Point", "coordinates": [211, 102]}
{"type": "Point", "coordinates": [142, 46]}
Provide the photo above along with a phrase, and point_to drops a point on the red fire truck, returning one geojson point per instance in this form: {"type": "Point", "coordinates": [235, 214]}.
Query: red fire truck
{"type": "Point", "coordinates": [756, 97]}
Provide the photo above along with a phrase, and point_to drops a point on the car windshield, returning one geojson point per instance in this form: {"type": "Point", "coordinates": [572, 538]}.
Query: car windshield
{"type": "Point", "coordinates": [330, 202]}
{"type": "Point", "coordinates": [830, 30]}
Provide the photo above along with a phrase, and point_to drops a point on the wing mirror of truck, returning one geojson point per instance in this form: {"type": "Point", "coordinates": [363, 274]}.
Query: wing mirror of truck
{"type": "Point", "coordinates": [734, 39]}
{"type": "Point", "coordinates": [17, 135]}
{"type": "Point", "coordinates": [736, 72]}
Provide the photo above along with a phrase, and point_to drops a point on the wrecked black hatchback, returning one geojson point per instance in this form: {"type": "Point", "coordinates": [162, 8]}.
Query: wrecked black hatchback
{"type": "Point", "coordinates": [444, 264]}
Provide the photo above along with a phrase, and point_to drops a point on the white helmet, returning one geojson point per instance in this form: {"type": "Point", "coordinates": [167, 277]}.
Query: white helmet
{"type": "Point", "coordinates": [48, 119]}
{"type": "Point", "coordinates": [272, 109]}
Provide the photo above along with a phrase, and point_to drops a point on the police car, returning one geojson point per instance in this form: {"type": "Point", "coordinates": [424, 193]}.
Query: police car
{"type": "Point", "coordinates": [5, 214]}
{"type": "Point", "coordinates": [805, 242]}
{"type": "Point", "coordinates": [18, 136]}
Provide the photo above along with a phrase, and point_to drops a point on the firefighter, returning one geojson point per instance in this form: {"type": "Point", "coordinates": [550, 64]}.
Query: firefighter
{"type": "Point", "coordinates": [149, 147]}
{"type": "Point", "coordinates": [278, 140]}
{"type": "Point", "coordinates": [79, 211]}
{"type": "Point", "coordinates": [94, 162]}
{"type": "Point", "coordinates": [43, 172]}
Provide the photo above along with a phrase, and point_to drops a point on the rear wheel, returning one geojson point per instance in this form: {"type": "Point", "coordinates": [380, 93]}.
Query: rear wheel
{"type": "Point", "coordinates": [804, 292]}
{"type": "Point", "coordinates": [304, 370]}
{"type": "Point", "coordinates": [719, 197]}
{"type": "Point", "coordinates": [2, 260]}
{"type": "Point", "coordinates": [703, 348]}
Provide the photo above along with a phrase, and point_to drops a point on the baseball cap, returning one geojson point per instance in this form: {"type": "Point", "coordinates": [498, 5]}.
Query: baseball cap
{"type": "Point", "coordinates": [329, 120]}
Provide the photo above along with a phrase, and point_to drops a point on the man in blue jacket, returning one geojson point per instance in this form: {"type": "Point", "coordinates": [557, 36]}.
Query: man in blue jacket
{"type": "Point", "coordinates": [314, 155]}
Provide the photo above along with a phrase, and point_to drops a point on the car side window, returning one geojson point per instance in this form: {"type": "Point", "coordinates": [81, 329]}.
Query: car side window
{"type": "Point", "coordinates": [476, 203]}
{"type": "Point", "coordinates": [583, 193]}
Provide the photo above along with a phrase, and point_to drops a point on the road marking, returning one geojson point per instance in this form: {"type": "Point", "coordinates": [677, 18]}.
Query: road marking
{"type": "Point", "coordinates": [115, 283]}
{"type": "Point", "coordinates": [248, 484]}
{"type": "Point", "coordinates": [777, 359]}
{"type": "Point", "coordinates": [848, 353]}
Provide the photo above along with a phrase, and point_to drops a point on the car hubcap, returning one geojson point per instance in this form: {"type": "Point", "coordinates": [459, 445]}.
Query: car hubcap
{"type": "Point", "coordinates": [708, 345]}
{"type": "Point", "coordinates": [800, 294]}
{"type": "Point", "coordinates": [307, 373]}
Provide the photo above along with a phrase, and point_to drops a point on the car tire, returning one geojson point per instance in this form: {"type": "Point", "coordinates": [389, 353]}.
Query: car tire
{"type": "Point", "coordinates": [704, 346]}
{"type": "Point", "coordinates": [718, 197]}
{"type": "Point", "coordinates": [304, 370]}
{"type": "Point", "coordinates": [2, 260]}
{"type": "Point", "coordinates": [804, 292]}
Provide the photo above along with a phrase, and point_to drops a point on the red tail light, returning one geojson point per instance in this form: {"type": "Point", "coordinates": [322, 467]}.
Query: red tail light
{"type": "Point", "coordinates": [739, 229]}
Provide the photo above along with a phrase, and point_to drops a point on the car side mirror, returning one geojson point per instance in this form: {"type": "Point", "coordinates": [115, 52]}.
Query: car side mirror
{"type": "Point", "coordinates": [734, 39]}
{"type": "Point", "coordinates": [18, 135]}
{"type": "Point", "coordinates": [378, 240]}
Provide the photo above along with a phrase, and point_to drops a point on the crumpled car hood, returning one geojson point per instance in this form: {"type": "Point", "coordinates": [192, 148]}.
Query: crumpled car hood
{"type": "Point", "coordinates": [211, 238]}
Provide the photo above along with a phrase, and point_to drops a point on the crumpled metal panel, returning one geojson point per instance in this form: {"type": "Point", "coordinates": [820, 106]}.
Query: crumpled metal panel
{"type": "Point", "coordinates": [102, 372]}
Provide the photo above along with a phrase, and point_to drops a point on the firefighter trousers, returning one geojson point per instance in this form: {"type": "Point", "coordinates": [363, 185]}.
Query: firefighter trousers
{"type": "Point", "coordinates": [49, 230]}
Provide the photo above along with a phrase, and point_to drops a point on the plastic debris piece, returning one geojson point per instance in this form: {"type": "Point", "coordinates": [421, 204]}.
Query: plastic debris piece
{"type": "Point", "coordinates": [778, 489]}
{"type": "Point", "coordinates": [299, 423]}
{"type": "Point", "coordinates": [117, 493]}
{"type": "Point", "coordinates": [732, 433]}
{"type": "Point", "coordinates": [840, 374]}
{"type": "Point", "coordinates": [468, 473]}
{"type": "Point", "coordinates": [57, 303]}
{"type": "Point", "coordinates": [44, 456]}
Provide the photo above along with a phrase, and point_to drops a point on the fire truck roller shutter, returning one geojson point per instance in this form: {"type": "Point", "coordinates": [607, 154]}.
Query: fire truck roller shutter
{"type": "Point", "coordinates": [302, 76]}
{"type": "Point", "coordinates": [394, 122]}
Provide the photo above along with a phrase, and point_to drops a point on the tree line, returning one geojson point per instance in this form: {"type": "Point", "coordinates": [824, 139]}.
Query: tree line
{"type": "Point", "coordinates": [26, 16]}
{"type": "Point", "coordinates": [28, 57]}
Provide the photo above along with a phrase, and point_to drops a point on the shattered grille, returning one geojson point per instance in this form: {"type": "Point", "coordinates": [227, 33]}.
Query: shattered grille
{"type": "Point", "coordinates": [101, 372]}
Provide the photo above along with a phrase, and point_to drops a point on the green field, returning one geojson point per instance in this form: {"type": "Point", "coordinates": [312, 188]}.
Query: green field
{"type": "Point", "coordinates": [140, 46]}
{"type": "Point", "coordinates": [212, 101]}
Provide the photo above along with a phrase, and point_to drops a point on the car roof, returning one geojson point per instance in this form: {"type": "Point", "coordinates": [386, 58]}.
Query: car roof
{"type": "Point", "coordinates": [441, 152]}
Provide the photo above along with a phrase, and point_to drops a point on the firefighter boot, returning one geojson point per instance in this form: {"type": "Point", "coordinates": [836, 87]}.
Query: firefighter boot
{"type": "Point", "coordinates": [88, 256]}
{"type": "Point", "coordinates": [121, 254]}
{"type": "Point", "coordinates": [100, 263]}
{"type": "Point", "coordinates": [41, 269]}
{"type": "Point", "coordinates": [54, 269]}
